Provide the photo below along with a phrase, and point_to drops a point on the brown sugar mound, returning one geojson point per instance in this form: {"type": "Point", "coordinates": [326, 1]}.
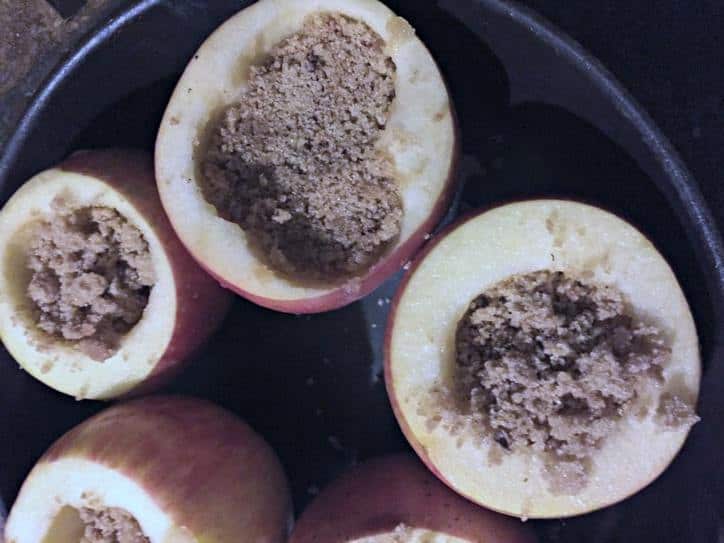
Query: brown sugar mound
{"type": "Point", "coordinates": [92, 275]}
{"type": "Point", "coordinates": [295, 162]}
{"type": "Point", "coordinates": [552, 363]}
{"type": "Point", "coordinates": [112, 525]}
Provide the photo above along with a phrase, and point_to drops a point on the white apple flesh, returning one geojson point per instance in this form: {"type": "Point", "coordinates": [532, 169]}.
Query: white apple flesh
{"type": "Point", "coordinates": [484, 249]}
{"type": "Point", "coordinates": [184, 469]}
{"type": "Point", "coordinates": [420, 137]}
{"type": "Point", "coordinates": [185, 305]}
{"type": "Point", "coordinates": [394, 499]}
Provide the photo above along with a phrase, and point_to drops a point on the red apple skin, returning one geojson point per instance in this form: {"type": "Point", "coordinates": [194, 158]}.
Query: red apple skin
{"type": "Point", "coordinates": [418, 447]}
{"type": "Point", "coordinates": [211, 471]}
{"type": "Point", "coordinates": [201, 302]}
{"type": "Point", "coordinates": [381, 494]}
{"type": "Point", "coordinates": [389, 264]}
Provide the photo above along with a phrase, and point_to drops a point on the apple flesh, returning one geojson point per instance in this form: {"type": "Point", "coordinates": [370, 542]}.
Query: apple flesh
{"type": "Point", "coordinates": [185, 470]}
{"type": "Point", "coordinates": [185, 304]}
{"type": "Point", "coordinates": [394, 498]}
{"type": "Point", "coordinates": [420, 137]}
{"type": "Point", "coordinates": [480, 251]}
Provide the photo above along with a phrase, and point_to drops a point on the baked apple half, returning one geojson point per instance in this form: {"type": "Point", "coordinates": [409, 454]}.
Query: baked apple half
{"type": "Point", "coordinates": [155, 470]}
{"type": "Point", "coordinates": [394, 499]}
{"type": "Point", "coordinates": [542, 360]}
{"type": "Point", "coordinates": [98, 296]}
{"type": "Point", "coordinates": [307, 151]}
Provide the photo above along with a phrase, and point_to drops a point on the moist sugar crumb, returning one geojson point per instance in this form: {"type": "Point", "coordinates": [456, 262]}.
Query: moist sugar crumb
{"type": "Point", "coordinates": [111, 525]}
{"type": "Point", "coordinates": [674, 411]}
{"type": "Point", "coordinates": [295, 162]}
{"type": "Point", "coordinates": [549, 363]}
{"type": "Point", "coordinates": [91, 278]}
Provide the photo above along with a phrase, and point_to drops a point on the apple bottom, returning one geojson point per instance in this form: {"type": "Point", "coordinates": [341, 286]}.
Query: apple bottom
{"type": "Point", "coordinates": [395, 499]}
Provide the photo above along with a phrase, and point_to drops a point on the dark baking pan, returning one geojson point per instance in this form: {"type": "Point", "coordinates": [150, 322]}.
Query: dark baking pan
{"type": "Point", "coordinates": [539, 116]}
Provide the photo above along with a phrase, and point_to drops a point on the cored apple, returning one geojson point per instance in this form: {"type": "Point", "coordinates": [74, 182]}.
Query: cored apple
{"type": "Point", "coordinates": [158, 469]}
{"type": "Point", "coordinates": [552, 401]}
{"type": "Point", "coordinates": [51, 333]}
{"type": "Point", "coordinates": [419, 140]}
{"type": "Point", "coordinates": [394, 499]}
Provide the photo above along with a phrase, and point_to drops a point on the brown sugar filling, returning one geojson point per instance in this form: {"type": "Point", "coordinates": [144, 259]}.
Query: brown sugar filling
{"type": "Point", "coordinates": [111, 525]}
{"type": "Point", "coordinates": [91, 278]}
{"type": "Point", "coordinates": [295, 162]}
{"type": "Point", "coordinates": [552, 362]}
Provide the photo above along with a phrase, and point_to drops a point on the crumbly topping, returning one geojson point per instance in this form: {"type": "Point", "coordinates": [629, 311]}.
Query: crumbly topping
{"type": "Point", "coordinates": [674, 411]}
{"type": "Point", "coordinates": [91, 278]}
{"type": "Point", "coordinates": [111, 525]}
{"type": "Point", "coordinates": [552, 363]}
{"type": "Point", "coordinates": [295, 162]}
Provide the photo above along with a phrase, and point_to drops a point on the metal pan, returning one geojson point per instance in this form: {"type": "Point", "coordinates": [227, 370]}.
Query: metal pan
{"type": "Point", "coordinates": [539, 116]}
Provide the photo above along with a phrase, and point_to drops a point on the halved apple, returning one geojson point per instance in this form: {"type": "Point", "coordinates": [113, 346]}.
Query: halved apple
{"type": "Point", "coordinates": [419, 138]}
{"type": "Point", "coordinates": [183, 307]}
{"type": "Point", "coordinates": [620, 446]}
{"type": "Point", "coordinates": [394, 499]}
{"type": "Point", "coordinates": [159, 469]}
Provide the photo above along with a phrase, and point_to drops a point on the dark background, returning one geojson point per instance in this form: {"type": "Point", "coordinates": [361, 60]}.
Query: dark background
{"type": "Point", "coordinates": [670, 55]}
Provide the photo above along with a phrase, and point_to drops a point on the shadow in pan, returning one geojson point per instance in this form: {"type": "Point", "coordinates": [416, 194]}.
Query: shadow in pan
{"type": "Point", "coordinates": [304, 382]}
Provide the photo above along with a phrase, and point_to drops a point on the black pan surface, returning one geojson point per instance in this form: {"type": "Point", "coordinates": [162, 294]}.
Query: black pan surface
{"type": "Point", "coordinates": [539, 117]}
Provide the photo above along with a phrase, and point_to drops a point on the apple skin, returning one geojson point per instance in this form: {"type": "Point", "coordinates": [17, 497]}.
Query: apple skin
{"type": "Point", "coordinates": [389, 264]}
{"type": "Point", "coordinates": [383, 493]}
{"type": "Point", "coordinates": [201, 302]}
{"type": "Point", "coordinates": [358, 288]}
{"type": "Point", "coordinates": [205, 467]}
{"type": "Point", "coordinates": [346, 291]}
{"type": "Point", "coordinates": [420, 449]}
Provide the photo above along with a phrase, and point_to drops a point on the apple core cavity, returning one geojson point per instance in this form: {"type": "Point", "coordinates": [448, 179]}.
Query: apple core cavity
{"type": "Point", "coordinates": [295, 161]}
{"type": "Point", "coordinates": [549, 363]}
{"type": "Point", "coordinates": [110, 525]}
{"type": "Point", "coordinates": [91, 277]}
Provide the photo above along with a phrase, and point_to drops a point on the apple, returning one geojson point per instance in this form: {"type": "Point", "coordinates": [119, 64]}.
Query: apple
{"type": "Point", "coordinates": [420, 137]}
{"type": "Point", "coordinates": [180, 470]}
{"type": "Point", "coordinates": [484, 249]}
{"type": "Point", "coordinates": [396, 499]}
{"type": "Point", "coordinates": [184, 307]}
